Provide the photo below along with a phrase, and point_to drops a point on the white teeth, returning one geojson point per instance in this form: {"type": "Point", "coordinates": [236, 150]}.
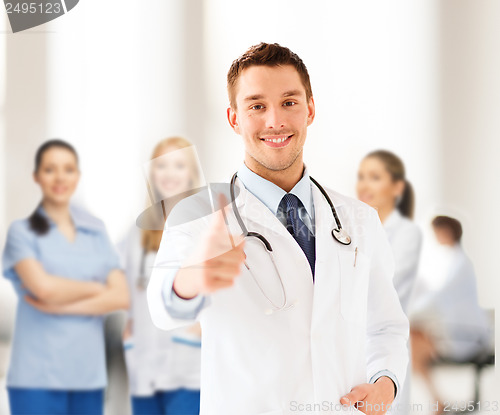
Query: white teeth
{"type": "Point", "coordinates": [276, 140]}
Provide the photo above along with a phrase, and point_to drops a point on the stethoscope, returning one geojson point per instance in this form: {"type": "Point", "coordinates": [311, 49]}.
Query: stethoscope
{"type": "Point", "coordinates": [339, 234]}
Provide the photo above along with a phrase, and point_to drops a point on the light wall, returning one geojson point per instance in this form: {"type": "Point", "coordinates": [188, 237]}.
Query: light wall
{"type": "Point", "coordinates": [470, 131]}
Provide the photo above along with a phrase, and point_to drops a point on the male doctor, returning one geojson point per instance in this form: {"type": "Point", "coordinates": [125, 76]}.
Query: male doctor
{"type": "Point", "coordinates": [323, 331]}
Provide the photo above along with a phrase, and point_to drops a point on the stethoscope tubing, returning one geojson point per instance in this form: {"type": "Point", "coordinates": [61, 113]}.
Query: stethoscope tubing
{"type": "Point", "coordinates": [338, 233]}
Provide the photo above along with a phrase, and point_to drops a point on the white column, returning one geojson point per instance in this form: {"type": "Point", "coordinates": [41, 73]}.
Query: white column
{"type": "Point", "coordinates": [470, 89]}
{"type": "Point", "coordinates": [25, 113]}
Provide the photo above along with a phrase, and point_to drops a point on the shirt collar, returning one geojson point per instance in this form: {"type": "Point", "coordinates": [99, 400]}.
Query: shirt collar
{"type": "Point", "coordinates": [81, 219]}
{"type": "Point", "coordinates": [392, 219]}
{"type": "Point", "coordinates": [271, 194]}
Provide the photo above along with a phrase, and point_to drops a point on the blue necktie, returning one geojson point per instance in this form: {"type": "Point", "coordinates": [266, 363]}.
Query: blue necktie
{"type": "Point", "coordinates": [290, 205]}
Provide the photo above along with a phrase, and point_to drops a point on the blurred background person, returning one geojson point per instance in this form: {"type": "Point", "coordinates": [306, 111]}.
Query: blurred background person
{"type": "Point", "coordinates": [163, 366]}
{"type": "Point", "coordinates": [446, 319]}
{"type": "Point", "coordinates": [383, 185]}
{"type": "Point", "coordinates": [67, 276]}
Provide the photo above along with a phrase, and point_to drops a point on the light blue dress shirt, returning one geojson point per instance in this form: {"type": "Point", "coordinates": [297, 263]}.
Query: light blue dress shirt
{"type": "Point", "coordinates": [270, 195]}
{"type": "Point", "coordinates": [58, 351]}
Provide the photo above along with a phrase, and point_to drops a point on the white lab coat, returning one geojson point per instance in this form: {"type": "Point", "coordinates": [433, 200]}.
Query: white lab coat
{"type": "Point", "coordinates": [156, 360]}
{"type": "Point", "coordinates": [445, 305]}
{"type": "Point", "coordinates": [405, 239]}
{"type": "Point", "coordinates": [342, 330]}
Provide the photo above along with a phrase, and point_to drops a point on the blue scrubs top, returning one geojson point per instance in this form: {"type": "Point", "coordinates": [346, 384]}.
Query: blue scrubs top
{"type": "Point", "coordinates": [59, 351]}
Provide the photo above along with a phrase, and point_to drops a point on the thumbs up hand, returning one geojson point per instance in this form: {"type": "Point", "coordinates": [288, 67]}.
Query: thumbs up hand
{"type": "Point", "coordinates": [216, 260]}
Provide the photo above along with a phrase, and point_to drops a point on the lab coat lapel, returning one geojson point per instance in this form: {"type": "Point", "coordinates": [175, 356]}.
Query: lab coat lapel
{"type": "Point", "coordinates": [326, 245]}
{"type": "Point", "coordinates": [327, 278]}
{"type": "Point", "coordinates": [258, 218]}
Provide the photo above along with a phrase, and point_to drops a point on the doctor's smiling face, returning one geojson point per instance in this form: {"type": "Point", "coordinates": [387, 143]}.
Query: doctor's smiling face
{"type": "Point", "coordinates": [271, 106]}
{"type": "Point", "coordinates": [272, 115]}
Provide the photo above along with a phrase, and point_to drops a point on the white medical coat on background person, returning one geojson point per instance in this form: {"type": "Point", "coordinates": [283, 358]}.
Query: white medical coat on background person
{"type": "Point", "coordinates": [405, 239]}
{"type": "Point", "coordinates": [156, 360]}
{"type": "Point", "coordinates": [446, 307]}
{"type": "Point", "coordinates": [345, 329]}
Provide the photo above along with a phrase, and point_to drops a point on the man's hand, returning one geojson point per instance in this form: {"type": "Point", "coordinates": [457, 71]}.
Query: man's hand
{"type": "Point", "coordinates": [372, 399]}
{"type": "Point", "coordinates": [216, 262]}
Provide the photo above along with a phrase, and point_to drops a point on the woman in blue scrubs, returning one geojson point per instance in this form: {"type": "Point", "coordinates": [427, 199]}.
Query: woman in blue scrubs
{"type": "Point", "coordinates": [67, 276]}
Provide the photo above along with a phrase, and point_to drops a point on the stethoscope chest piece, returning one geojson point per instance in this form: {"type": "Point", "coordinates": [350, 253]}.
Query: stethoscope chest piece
{"type": "Point", "coordinates": [341, 236]}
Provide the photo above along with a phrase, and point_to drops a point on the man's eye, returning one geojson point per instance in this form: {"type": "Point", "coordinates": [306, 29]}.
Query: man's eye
{"type": "Point", "coordinates": [257, 107]}
{"type": "Point", "coordinates": [289, 104]}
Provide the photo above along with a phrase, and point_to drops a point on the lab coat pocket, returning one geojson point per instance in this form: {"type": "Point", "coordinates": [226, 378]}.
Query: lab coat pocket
{"type": "Point", "coordinates": [354, 273]}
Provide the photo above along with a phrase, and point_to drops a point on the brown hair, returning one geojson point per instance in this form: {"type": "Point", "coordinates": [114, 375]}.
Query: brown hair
{"type": "Point", "coordinates": [452, 224]}
{"type": "Point", "coordinates": [151, 238]}
{"type": "Point", "coordinates": [396, 168]}
{"type": "Point", "coordinates": [38, 222]}
{"type": "Point", "coordinates": [266, 54]}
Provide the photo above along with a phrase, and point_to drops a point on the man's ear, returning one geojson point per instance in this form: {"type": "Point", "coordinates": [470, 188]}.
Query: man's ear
{"type": "Point", "coordinates": [35, 178]}
{"type": "Point", "coordinates": [232, 118]}
{"type": "Point", "coordinates": [311, 111]}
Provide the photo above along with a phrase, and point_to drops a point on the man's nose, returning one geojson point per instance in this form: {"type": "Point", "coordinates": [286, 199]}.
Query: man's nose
{"type": "Point", "coordinates": [274, 118]}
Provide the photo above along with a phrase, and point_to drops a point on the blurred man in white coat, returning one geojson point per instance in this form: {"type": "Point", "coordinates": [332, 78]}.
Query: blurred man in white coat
{"type": "Point", "coordinates": [292, 283]}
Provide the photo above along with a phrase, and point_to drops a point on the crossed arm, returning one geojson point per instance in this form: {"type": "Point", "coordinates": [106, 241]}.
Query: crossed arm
{"type": "Point", "coordinates": [58, 295]}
